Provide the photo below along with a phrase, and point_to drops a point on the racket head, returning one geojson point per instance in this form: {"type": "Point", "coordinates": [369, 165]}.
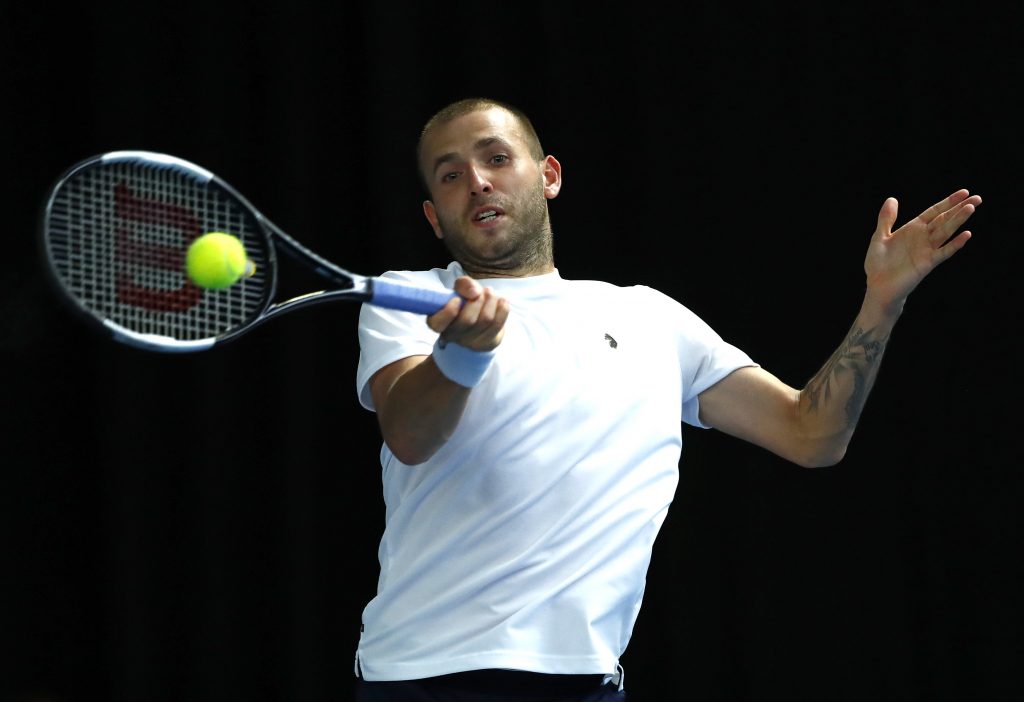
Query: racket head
{"type": "Point", "coordinates": [115, 230]}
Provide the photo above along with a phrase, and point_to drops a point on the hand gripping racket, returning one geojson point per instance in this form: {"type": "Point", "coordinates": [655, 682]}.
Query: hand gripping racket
{"type": "Point", "coordinates": [115, 231]}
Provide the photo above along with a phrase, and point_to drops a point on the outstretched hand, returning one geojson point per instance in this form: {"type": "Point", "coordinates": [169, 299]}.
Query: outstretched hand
{"type": "Point", "coordinates": [897, 261]}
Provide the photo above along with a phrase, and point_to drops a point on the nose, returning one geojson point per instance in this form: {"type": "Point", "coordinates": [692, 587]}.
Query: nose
{"type": "Point", "coordinates": [479, 183]}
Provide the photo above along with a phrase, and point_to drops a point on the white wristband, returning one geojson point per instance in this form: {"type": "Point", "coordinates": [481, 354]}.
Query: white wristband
{"type": "Point", "coordinates": [461, 365]}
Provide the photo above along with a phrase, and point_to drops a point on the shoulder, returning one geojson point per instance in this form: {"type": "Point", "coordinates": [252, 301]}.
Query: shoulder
{"type": "Point", "coordinates": [632, 295]}
{"type": "Point", "coordinates": [435, 277]}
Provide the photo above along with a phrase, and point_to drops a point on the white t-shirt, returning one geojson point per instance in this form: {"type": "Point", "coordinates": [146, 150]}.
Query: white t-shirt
{"type": "Point", "coordinates": [524, 542]}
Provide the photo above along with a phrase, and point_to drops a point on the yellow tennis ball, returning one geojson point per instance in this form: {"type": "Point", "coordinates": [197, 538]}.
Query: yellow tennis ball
{"type": "Point", "coordinates": [217, 260]}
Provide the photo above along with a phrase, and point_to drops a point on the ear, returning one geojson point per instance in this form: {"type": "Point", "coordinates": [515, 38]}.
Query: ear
{"type": "Point", "coordinates": [552, 171]}
{"type": "Point", "coordinates": [431, 215]}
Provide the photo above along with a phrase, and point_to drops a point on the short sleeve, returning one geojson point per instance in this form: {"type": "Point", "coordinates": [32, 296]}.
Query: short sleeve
{"type": "Point", "coordinates": [387, 335]}
{"type": "Point", "coordinates": [704, 356]}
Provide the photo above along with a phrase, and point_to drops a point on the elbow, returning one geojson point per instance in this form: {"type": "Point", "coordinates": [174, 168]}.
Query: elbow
{"type": "Point", "coordinates": [821, 456]}
{"type": "Point", "coordinates": [409, 446]}
{"type": "Point", "coordinates": [411, 449]}
{"type": "Point", "coordinates": [820, 462]}
{"type": "Point", "coordinates": [408, 454]}
{"type": "Point", "coordinates": [813, 446]}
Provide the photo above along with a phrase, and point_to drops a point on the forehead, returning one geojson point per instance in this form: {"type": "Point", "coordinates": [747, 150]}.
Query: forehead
{"type": "Point", "coordinates": [462, 134]}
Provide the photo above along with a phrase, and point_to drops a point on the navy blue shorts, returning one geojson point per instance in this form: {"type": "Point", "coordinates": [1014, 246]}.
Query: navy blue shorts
{"type": "Point", "coordinates": [492, 686]}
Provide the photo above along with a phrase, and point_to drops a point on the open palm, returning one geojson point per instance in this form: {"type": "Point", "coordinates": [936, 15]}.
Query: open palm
{"type": "Point", "coordinates": [897, 261]}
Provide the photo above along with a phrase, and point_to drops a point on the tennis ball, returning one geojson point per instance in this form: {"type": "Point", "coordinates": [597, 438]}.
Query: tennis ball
{"type": "Point", "coordinates": [216, 260]}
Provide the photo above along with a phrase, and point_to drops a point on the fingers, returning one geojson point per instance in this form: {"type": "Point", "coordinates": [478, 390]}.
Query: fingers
{"type": "Point", "coordinates": [475, 320]}
{"type": "Point", "coordinates": [480, 323]}
{"type": "Point", "coordinates": [468, 288]}
{"type": "Point", "coordinates": [440, 320]}
{"type": "Point", "coordinates": [943, 226]}
{"type": "Point", "coordinates": [959, 197]}
{"type": "Point", "coordinates": [952, 246]}
{"type": "Point", "coordinates": [941, 221]}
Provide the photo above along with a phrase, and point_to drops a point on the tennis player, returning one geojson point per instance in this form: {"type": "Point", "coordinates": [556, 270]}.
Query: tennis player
{"type": "Point", "coordinates": [532, 429]}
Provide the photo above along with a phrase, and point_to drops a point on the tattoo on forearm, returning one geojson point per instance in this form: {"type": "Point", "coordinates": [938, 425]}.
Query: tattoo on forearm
{"type": "Point", "coordinates": [859, 355]}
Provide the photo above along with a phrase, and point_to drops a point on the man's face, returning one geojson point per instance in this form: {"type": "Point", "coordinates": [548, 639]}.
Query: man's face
{"type": "Point", "coordinates": [489, 195]}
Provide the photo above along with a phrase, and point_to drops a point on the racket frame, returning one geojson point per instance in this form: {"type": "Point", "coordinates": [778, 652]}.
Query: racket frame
{"type": "Point", "coordinates": [348, 285]}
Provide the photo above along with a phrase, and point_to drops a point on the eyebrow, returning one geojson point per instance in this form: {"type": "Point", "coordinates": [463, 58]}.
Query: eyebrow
{"type": "Point", "coordinates": [478, 145]}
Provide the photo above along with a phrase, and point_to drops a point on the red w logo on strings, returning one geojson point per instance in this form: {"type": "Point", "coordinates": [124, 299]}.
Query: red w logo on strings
{"type": "Point", "coordinates": [132, 256]}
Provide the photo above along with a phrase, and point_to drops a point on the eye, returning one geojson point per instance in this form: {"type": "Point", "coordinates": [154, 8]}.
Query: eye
{"type": "Point", "coordinates": [449, 177]}
{"type": "Point", "coordinates": [499, 158]}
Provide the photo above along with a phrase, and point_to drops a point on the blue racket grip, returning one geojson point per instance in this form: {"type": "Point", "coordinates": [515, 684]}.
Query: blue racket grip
{"type": "Point", "coordinates": [408, 298]}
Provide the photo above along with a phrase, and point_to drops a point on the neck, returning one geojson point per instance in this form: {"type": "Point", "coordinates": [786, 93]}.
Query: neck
{"type": "Point", "coordinates": [537, 258]}
{"type": "Point", "coordinates": [517, 272]}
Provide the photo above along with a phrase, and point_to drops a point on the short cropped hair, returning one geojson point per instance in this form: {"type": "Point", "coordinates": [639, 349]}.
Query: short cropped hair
{"type": "Point", "coordinates": [466, 106]}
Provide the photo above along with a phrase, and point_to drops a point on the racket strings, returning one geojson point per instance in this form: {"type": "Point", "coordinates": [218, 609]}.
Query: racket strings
{"type": "Point", "coordinates": [117, 235]}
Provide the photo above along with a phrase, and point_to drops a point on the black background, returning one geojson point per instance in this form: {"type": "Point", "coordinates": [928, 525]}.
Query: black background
{"type": "Point", "coordinates": [204, 527]}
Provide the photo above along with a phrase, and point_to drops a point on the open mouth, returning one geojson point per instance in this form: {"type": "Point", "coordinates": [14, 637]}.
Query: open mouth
{"type": "Point", "coordinates": [488, 214]}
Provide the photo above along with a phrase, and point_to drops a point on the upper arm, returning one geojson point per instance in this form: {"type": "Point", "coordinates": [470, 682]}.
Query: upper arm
{"type": "Point", "coordinates": [752, 404]}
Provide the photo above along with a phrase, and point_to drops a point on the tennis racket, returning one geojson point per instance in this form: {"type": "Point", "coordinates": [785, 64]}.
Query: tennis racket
{"type": "Point", "coordinates": [116, 228]}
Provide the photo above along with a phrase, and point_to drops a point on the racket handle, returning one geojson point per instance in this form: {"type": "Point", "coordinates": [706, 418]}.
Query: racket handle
{"type": "Point", "coordinates": [408, 298]}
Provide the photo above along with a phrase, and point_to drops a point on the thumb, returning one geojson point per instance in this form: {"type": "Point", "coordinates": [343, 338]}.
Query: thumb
{"type": "Point", "coordinates": [887, 216]}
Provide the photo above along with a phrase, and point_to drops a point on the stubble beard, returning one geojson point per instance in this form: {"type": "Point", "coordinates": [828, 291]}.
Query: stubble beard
{"type": "Point", "coordinates": [525, 250]}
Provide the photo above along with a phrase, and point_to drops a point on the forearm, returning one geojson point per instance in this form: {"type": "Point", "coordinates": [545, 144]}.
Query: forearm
{"type": "Point", "coordinates": [813, 426]}
{"type": "Point", "coordinates": [831, 403]}
{"type": "Point", "coordinates": [418, 410]}
{"type": "Point", "coordinates": [420, 400]}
